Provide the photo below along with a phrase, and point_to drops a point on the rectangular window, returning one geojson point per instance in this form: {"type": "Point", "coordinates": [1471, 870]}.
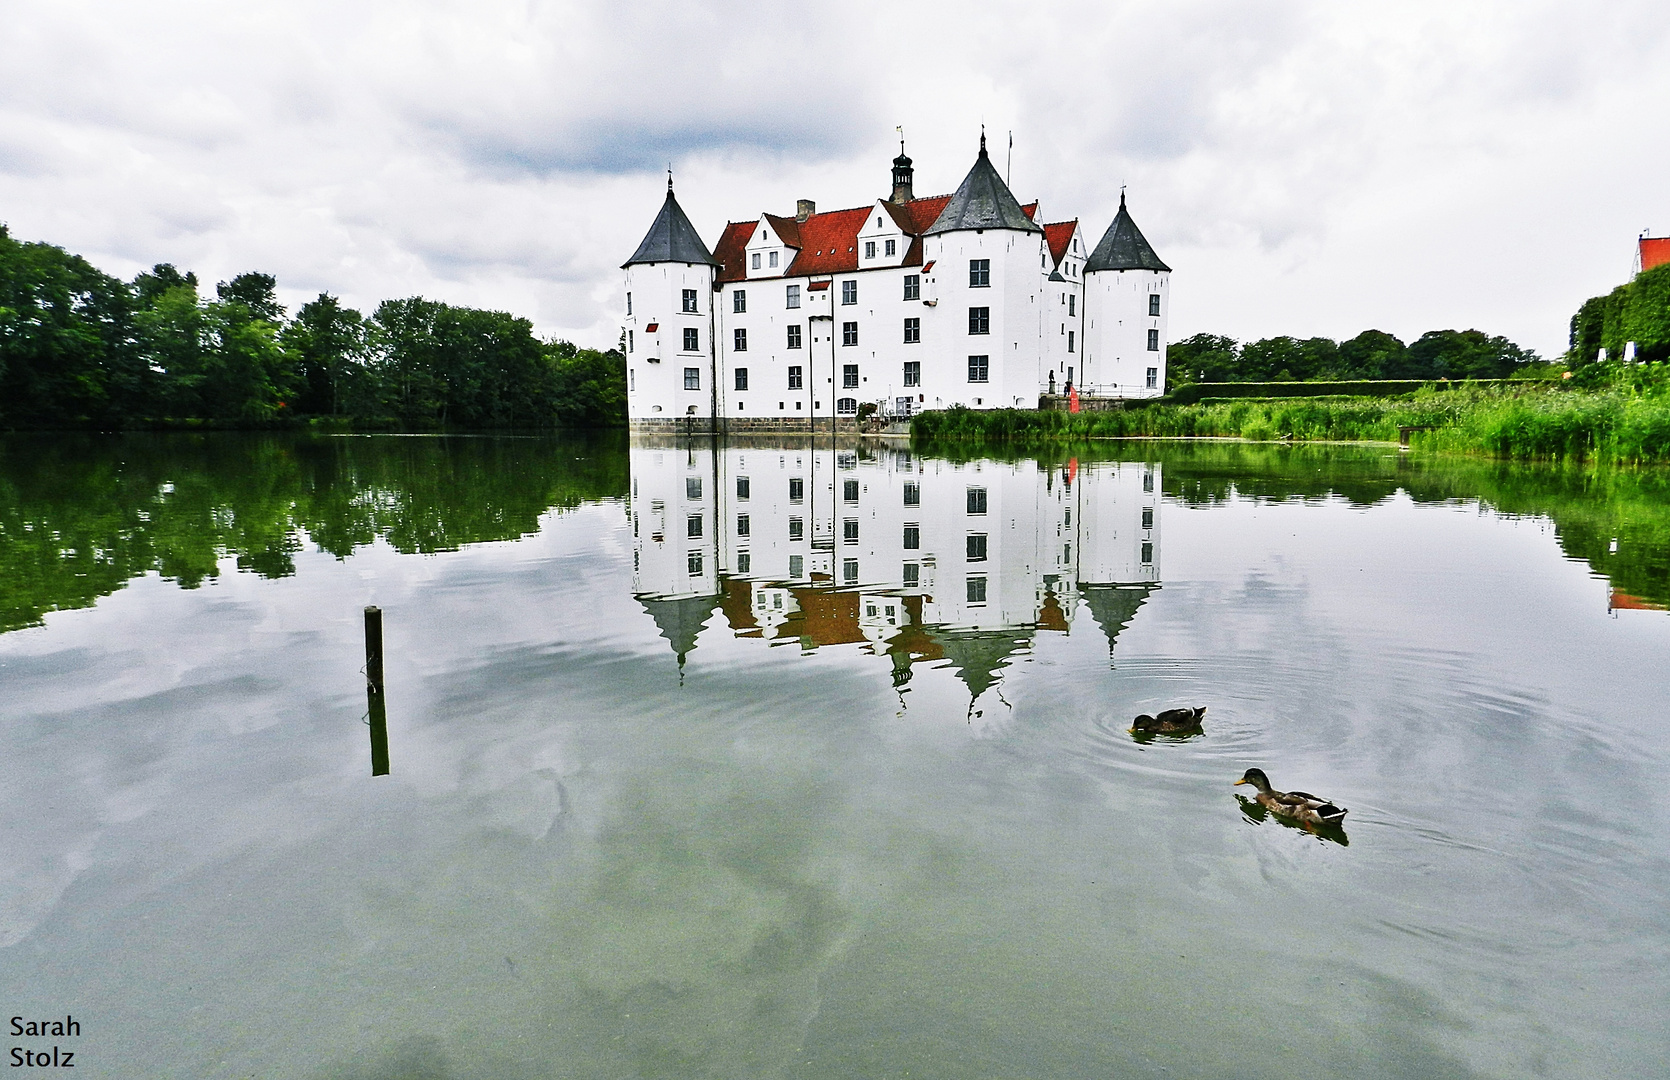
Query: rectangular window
{"type": "Point", "coordinates": [849, 333]}
{"type": "Point", "coordinates": [692, 339]}
{"type": "Point", "coordinates": [742, 524]}
{"type": "Point", "coordinates": [739, 339]}
{"type": "Point", "coordinates": [849, 490]}
{"type": "Point", "coordinates": [632, 378]}
{"type": "Point", "coordinates": [849, 530]}
{"type": "Point", "coordinates": [1148, 481]}
{"type": "Point", "coordinates": [849, 376]}
{"type": "Point", "coordinates": [742, 487]}
{"type": "Point", "coordinates": [846, 406]}
{"type": "Point", "coordinates": [1070, 334]}
{"type": "Point", "coordinates": [913, 331]}
{"type": "Point", "coordinates": [979, 320]}
{"type": "Point", "coordinates": [913, 373]}
{"type": "Point", "coordinates": [849, 571]}
{"type": "Point", "coordinates": [1153, 378]}
{"type": "Point", "coordinates": [742, 378]}
{"type": "Point", "coordinates": [978, 368]}
{"type": "Point", "coordinates": [794, 373]}
{"type": "Point", "coordinates": [977, 500]}
{"type": "Point", "coordinates": [977, 590]}
{"type": "Point", "coordinates": [913, 286]}
{"type": "Point", "coordinates": [849, 292]}
{"type": "Point", "coordinates": [1153, 341]}
{"type": "Point", "coordinates": [797, 489]}
{"type": "Point", "coordinates": [913, 493]}
{"type": "Point", "coordinates": [891, 249]}
{"type": "Point", "coordinates": [773, 260]}
{"type": "Point", "coordinates": [791, 296]}
{"type": "Point", "coordinates": [692, 378]}
{"type": "Point", "coordinates": [693, 563]}
{"type": "Point", "coordinates": [1072, 304]}
{"type": "Point", "coordinates": [629, 303]}
{"type": "Point", "coordinates": [755, 263]}
{"type": "Point", "coordinates": [913, 537]}
{"type": "Point", "coordinates": [976, 547]}
{"type": "Point", "coordinates": [744, 563]}
{"type": "Point", "coordinates": [794, 337]}
{"type": "Point", "coordinates": [629, 347]}
{"type": "Point", "coordinates": [1147, 553]}
{"type": "Point", "coordinates": [797, 528]}
{"type": "Point", "coordinates": [1148, 517]}
{"type": "Point", "coordinates": [869, 249]}
{"type": "Point", "coordinates": [739, 301]}
{"type": "Point", "coordinates": [690, 301]}
{"type": "Point", "coordinates": [693, 526]}
{"type": "Point", "coordinates": [692, 487]}
{"type": "Point", "coordinates": [979, 273]}
{"type": "Point", "coordinates": [1154, 304]}
{"type": "Point", "coordinates": [912, 575]}
{"type": "Point", "coordinates": [797, 566]}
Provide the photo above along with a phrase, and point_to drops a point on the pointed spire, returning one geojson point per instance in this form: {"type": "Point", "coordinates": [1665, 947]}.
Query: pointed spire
{"type": "Point", "coordinates": [1123, 247]}
{"type": "Point", "coordinates": [983, 201]}
{"type": "Point", "coordinates": [671, 238]}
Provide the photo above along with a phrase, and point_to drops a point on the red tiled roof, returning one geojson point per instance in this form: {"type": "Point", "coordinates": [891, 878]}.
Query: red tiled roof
{"type": "Point", "coordinates": [730, 252]}
{"type": "Point", "coordinates": [787, 229]}
{"type": "Point", "coordinates": [817, 286]}
{"type": "Point", "coordinates": [1030, 210]}
{"type": "Point", "coordinates": [1655, 251]}
{"type": "Point", "coordinates": [1059, 236]}
{"type": "Point", "coordinates": [828, 242]}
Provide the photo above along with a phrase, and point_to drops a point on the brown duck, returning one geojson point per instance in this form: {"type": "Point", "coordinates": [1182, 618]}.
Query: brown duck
{"type": "Point", "coordinates": [1167, 722]}
{"type": "Point", "coordinates": [1299, 805]}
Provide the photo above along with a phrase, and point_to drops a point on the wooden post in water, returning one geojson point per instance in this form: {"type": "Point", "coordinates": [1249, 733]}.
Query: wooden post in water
{"type": "Point", "coordinates": [376, 708]}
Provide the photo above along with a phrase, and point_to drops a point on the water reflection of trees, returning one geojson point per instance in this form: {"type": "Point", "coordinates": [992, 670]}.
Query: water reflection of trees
{"type": "Point", "coordinates": [1615, 519]}
{"type": "Point", "coordinates": [81, 515]}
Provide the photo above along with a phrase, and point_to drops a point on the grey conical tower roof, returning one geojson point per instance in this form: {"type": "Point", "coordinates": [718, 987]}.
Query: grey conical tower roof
{"type": "Point", "coordinates": [982, 202]}
{"type": "Point", "coordinates": [1123, 246]}
{"type": "Point", "coordinates": [681, 620]}
{"type": "Point", "coordinates": [979, 655]}
{"type": "Point", "coordinates": [671, 239]}
{"type": "Point", "coordinates": [1114, 606]}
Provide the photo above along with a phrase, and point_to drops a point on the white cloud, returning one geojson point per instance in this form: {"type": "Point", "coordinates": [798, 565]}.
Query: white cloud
{"type": "Point", "coordinates": [1307, 167]}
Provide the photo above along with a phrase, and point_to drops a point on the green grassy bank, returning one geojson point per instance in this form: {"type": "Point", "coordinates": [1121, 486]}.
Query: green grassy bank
{"type": "Point", "coordinates": [1627, 421]}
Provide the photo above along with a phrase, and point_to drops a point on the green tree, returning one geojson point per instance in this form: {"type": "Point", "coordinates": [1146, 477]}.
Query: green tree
{"type": "Point", "coordinates": [65, 329]}
{"type": "Point", "coordinates": [1370, 355]}
{"type": "Point", "coordinates": [330, 345]}
{"type": "Point", "coordinates": [1462, 354]}
{"type": "Point", "coordinates": [1286, 358]}
{"type": "Point", "coordinates": [590, 386]}
{"type": "Point", "coordinates": [1201, 358]}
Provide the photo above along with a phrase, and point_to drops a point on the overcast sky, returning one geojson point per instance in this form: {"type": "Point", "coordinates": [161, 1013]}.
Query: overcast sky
{"type": "Point", "coordinates": [1306, 166]}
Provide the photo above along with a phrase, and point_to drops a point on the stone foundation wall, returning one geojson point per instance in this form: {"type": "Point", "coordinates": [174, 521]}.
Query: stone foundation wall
{"type": "Point", "coordinates": [1061, 403]}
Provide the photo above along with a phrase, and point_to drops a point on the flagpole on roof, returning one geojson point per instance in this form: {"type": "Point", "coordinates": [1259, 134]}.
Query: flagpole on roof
{"type": "Point", "coordinates": [1009, 163]}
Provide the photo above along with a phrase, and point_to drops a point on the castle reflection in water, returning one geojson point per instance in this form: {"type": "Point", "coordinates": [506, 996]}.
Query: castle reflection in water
{"type": "Point", "coordinates": [826, 541]}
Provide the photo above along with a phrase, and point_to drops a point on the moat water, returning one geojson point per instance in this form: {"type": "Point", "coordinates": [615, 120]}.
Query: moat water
{"type": "Point", "coordinates": [682, 788]}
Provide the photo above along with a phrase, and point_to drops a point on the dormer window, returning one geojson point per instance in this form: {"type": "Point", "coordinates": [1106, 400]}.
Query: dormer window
{"type": "Point", "coordinates": [773, 260]}
{"type": "Point", "coordinates": [869, 249]}
{"type": "Point", "coordinates": [890, 248]}
{"type": "Point", "coordinates": [756, 260]}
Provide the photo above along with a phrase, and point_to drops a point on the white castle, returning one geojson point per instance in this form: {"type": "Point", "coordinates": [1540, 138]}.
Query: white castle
{"type": "Point", "coordinates": [793, 323]}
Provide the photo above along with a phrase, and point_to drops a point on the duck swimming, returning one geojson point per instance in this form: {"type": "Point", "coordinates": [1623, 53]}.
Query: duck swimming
{"type": "Point", "coordinates": [1169, 721]}
{"type": "Point", "coordinates": [1298, 805]}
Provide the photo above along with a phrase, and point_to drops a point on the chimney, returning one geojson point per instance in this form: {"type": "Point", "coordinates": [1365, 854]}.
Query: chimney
{"type": "Point", "coordinates": [804, 208]}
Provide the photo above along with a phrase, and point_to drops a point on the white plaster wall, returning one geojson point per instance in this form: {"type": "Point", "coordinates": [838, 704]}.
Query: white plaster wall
{"type": "Point", "coordinates": [656, 390]}
{"type": "Point", "coordinates": [1116, 329]}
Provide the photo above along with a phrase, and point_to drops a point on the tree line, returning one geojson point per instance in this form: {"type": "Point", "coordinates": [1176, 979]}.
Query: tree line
{"type": "Point", "coordinates": [1372, 354]}
{"type": "Point", "coordinates": [80, 348]}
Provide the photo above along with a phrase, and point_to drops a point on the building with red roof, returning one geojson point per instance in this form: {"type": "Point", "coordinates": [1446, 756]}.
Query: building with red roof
{"type": "Point", "coordinates": [905, 304]}
{"type": "Point", "coordinates": [1653, 251]}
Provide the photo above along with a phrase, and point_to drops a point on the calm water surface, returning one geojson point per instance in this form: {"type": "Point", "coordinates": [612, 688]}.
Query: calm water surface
{"type": "Point", "coordinates": [701, 772]}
